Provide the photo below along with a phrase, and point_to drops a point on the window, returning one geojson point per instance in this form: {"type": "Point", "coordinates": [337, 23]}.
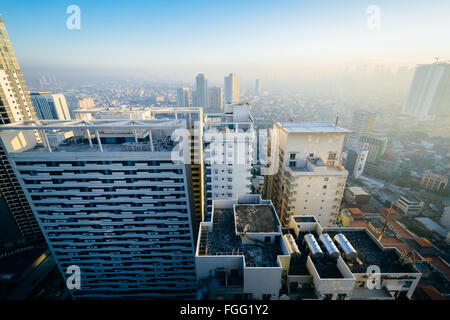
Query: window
{"type": "Point", "coordinates": [324, 186]}
{"type": "Point", "coordinates": [292, 156]}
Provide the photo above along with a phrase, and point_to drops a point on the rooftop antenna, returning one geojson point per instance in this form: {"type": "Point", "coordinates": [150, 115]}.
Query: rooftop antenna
{"type": "Point", "coordinates": [336, 123]}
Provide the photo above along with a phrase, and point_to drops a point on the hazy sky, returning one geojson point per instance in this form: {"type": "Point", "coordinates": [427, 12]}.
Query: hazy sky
{"type": "Point", "coordinates": [182, 38]}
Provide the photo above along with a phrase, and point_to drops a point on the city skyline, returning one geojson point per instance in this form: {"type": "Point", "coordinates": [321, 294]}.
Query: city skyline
{"type": "Point", "coordinates": [311, 38]}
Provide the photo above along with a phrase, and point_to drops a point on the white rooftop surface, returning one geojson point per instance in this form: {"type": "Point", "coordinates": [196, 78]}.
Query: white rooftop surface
{"type": "Point", "coordinates": [311, 127]}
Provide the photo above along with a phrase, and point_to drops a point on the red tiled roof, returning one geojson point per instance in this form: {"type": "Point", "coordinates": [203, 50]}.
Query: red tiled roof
{"type": "Point", "coordinates": [359, 224]}
{"type": "Point", "coordinates": [355, 211]}
{"type": "Point", "coordinates": [394, 214]}
{"type": "Point", "coordinates": [401, 232]}
{"type": "Point", "coordinates": [423, 242]}
{"type": "Point", "coordinates": [392, 242]}
{"type": "Point", "coordinates": [438, 264]}
{"type": "Point", "coordinates": [431, 292]}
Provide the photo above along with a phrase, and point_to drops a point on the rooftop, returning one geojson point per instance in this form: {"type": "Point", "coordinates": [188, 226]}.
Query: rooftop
{"type": "Point", "coordinates": [311, 127]}
{"type": "Point", "coordinates": [223, 240]}
{"type": "Point", "coordinates": [410, 198]}
{"type": "Point", "coordinates": [255, 218]}
{"type": "Point", "coordinates": [325, 266]}
{"type": "Point", "coordinates": [327, 269]}
{"type": "Point", "coordinates": [358, 191]}
{"type": "Point", "coordinates": [163, 143]}
{"type": "Point", "coordinates": [432, 276]}
{"type": "Point", "coordinates": [370, 253]}
{"type": "Point", "coordinates": [423, 242]}
{"type": "Point", "coordinates": [317, 165]}
{"type": "Point", "coordinates": [304, 219]}
{"type": "Point", "coordinates": [355, 211]}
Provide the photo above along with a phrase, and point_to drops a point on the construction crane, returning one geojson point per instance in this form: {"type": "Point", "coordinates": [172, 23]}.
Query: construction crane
{"type": "Point", "coordinates": [409, 257]}
{"type": "Point", "coordinates": [385, 223]}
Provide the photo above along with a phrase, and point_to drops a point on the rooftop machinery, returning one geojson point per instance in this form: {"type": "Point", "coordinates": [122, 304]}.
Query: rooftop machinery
{"type": "Point", "coordinates": [348, 251]}
{"type": "Point", "coordinates": [314, 248]}
{"type": "Point", "coordinates": [329, 245]}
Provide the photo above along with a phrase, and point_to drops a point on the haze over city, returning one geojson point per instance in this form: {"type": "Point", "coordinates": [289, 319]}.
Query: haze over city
{"type": "Point", "coordinates": [224, 152]}
{"type": "Point", "coordinates": [275, 40]}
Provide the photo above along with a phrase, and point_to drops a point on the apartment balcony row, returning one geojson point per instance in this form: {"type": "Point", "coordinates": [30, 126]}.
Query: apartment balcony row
{"type": "Point", "coordinates": [59, 167]}
{"type": "Point", "coordinates": [102, 192]}
{"type": "Point", "coordinates": [45, 176]}
{"type": "Point", "coordinates": [125, 216]}
{"type": "Point", "coordinates": [100, 200]}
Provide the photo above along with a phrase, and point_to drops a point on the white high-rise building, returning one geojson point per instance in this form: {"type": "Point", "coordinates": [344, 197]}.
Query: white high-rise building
{"type": "Point", "coordinates": [229, 139]}
{"type": "Point", "coordinates": [183, 97]}
{"type": "Point", "coordinates": [363, 122]}
{"type": "Point", "coordinates": [231, 89]}
{"type": "Point", "coordinates": [215, 99]}
{"type": "Point", "coordinates": [429, 94]}
{"type": "Point", "coordinates": [109, 199]}
{"type": "Point", "coordinates": [304, 175]}
{"type": "Point", "coordinates": [50, 106]}
{"type": "Point", "coordinates": [201, 93]}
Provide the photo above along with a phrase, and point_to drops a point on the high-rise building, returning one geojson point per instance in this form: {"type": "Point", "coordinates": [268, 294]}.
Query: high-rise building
{"type": "Point", "coordinates": [231, 89]}
{"type": "Point", "coordinates": [376, 145]}
{"type": "Point", "coordinates": [215, 99]}
{"type": "Point", "coordinates": [229, 141]}
{"type": "Point", "coordinates": [183, 97]}
{"type": "Point", "coordinates": [363, 122]}
{"type": "Point", "coordinates": [258, 87]}
{"type": "Point", "coordinates": [114, 198]}
{"type": "Point", "coordinates": [194, 123]}
{"type": "Point", "coordinates": [201, 93]}
{"type": "Point", "coordinates": [15, 106]}
{"type": "Point", "coordinates": [355, 162]}
{"type": "Point", "coordinates": [50, 106]}
{"type": "Point", "coordinates": [428, 94]}
{"type": "Point", "coordinates": [304, 175]}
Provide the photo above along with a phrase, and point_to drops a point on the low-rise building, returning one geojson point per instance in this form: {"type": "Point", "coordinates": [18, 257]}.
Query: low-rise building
{"type": "Point", "coordinates": [410, 205]}
{"type": "Point", "coordinates": [434, 181]}
{"type": "Point", "coordinates": [356, 195]}
{"type": "Point", "coordinates": [348, 215]}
